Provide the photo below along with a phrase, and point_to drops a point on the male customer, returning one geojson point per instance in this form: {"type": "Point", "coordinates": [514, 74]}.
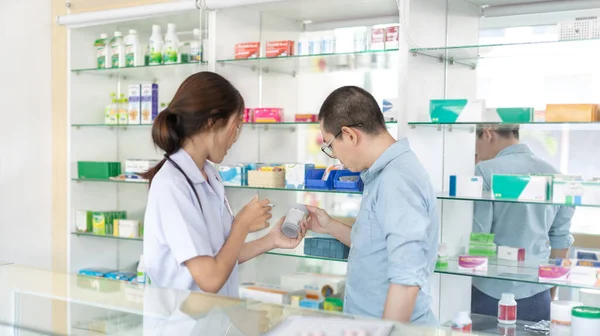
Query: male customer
{"type": "Point", "coordinates": [395, 237]}
{"type": "Point", "coordinates": [543, 230]}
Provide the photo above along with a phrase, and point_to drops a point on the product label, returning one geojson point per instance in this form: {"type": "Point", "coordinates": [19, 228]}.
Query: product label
{"type": "Point", "coordinates": [115, 57]}
{"type": "Point", "coordinates": [462, 328]}
{"type": "Point", "coordinates": [129, 55]}
{"type": "Point", "coordinates": [101, 57]}
{"type": "Point", "coordinates": [141, 278]}
{"type": "Point", "coordinates": [155, 56]}
{"type": "Point", "coordinates": [507, 313]}
{"type": "Point", "coordinates": [170, 56]}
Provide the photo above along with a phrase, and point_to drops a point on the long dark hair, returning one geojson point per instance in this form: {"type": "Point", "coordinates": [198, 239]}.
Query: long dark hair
{"type": "Point", "coordinates": [204, 100]}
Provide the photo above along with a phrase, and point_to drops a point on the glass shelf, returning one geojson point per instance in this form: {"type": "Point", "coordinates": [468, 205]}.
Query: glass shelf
{"type": "Point", "coordinates": [300, 254]}
{"type": "Point", "coordinates": [144, 69]}
{"type": "Point", "coordinates": [506, 270]}
{"type": "Point", "coordinates": [371, 59]}
{"type": "Point", "coordinates": [111, 126]}
{"type": "Point", "coordinates": [108, 181]}
{"type": "Point", "coordinates": [87, 234]}
{"type": "Point", "coordinates": [488, 198]}
{"type": "Point", "coordinates": [545, 126]}
{"type": "Point", "coordinates": [470, 55]}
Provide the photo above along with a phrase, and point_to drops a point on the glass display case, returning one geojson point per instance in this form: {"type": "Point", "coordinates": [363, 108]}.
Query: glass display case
{"type": "Point", "coordinates": [442, 52]}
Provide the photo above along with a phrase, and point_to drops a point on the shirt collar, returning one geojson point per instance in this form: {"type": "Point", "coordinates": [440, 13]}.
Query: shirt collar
{"type": "Point", "coordinates": [398, 148]}
{"type": "Point", "coordinates": [187, 164]}
{"type": "Point", "coordinates": [515, 149]}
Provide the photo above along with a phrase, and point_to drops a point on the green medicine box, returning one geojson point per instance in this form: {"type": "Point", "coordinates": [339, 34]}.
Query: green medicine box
{"type": "Point", "coordinates": [522, 187]}
{"type": "Point", "coordinates": [456, 110]}
{"type": "Point", "coordinates": [510, 115]}
{"type": "Point", "coordinates": [98, 170]}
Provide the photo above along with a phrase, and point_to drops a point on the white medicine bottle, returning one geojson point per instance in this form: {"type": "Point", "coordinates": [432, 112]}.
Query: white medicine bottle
{"type": "Point", "coordinates": [171, 46]}
{"type": "Point", "coordinates": [102, 52]}
{"type": "Point", "coordinates": [155, 46]}
{"type": "Point", "coordinates": [133, 49]}
{"type": "Point", "coordinates": [507, 309]}
{"type": "Point", "coordinates": [196, 47]}
{"type": "Point", "coordinates": [117, 50]}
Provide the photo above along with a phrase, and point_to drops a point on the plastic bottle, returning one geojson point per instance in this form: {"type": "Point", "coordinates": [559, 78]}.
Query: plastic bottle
{"type": "Point", "coordinates": [102, 55]}
{"type": "Point", "coordinates": [112, 110]}
{"type": "Point", "coordinates": [462, 322]}
{"type": "Point", "coordinates": [155, 46]}
{"type": "Point", "coordinates": [133, 49]}
{"type": "Point", "coordinates": [141, 271]}
{"type": "Point", "coordinates": [117, 51]}
{"type": "Point", "coordinates": [109, 107]}
{"type": "Point", "coordinates": [123, 116]}
{"type": "Point", "coordinates": [507, 309]}
{"type": "Point", "coordinates": [196, 47]}
{"type": "Point", "coordinates": [171, 46]}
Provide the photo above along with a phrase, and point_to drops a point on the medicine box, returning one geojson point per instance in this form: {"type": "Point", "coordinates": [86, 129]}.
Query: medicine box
{"type": "Point", "coordinates": [378, 39]}
{"type": "Point", "coordinates": [456, 110]}
{"type": "Point", "coordinates": [232, 175]}
{"type": "Point", "coordinates": [126, 228]}
{"type": "Point", "coordinates": [268, 115]}
{"type": "Point", "coordinates": [295, 174]}
{"type": "Point", "coordinates": [466, 186]}
{"type": "Point", "coordinates": [509, 114]}
{"type": "Point", "coordinates": [511, 253]}
{"type": "Point", "coordinates": [266, 179]}
{"type": "Point", "coordinates": [522, 187]}
{"type": "Point", "coordinates": [280, 48]}
{"type": "Point", "coordinates": [149, 104]}
{"type": "Point", "coordinates": [267, 293]}
{"type": "Point", "coordinates": [554, 273]}
{"type": "Point", "coordinates": [576, 192]}
{"type": "Point", "coordinates": [135, 104]}
{"type": "Point", "coordinates": [247, 50]}
{"type": "Point", "coordinates": [83, 221]}
{"type": "Point", "coordinates": [473, 263]}
{"type": "Point", "coordinates": [322, 284]}
{"type": "Point", "coordinates": [103, 221]}
{"type": "Point", "coordinates": [326, 248]}
{"type": "Point", "coordinates": [137, 167]}
{"type": "Point", "coordinates": [391, 37]}
{"type": "Point", "coordinates": [572, 113]}
{"type": "Point", "coordinates": [588, 255]}
{"type": "Point", "coordinates": [306, 118]}
{"type": "Point", "coordinates": [98, 170]}
{"type": "Point", "coordinates": [311, 304]}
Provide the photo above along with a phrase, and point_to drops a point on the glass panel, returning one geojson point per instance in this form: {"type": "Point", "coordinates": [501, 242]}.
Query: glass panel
{"type": "Point", "coordinates": [379, 59]}
{"type": "Point", "coordinates": [87, 234]}
{"type": "Point", "coordinates": [470, 55]}
{"type": "Point", "coordinates": [488, 198]}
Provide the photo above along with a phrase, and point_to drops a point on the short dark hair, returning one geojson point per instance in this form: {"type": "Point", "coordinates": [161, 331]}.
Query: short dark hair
{"type": "Point", "coordinates": [505, 131]}
{"type": "Point", "coordinates": [351, 105]}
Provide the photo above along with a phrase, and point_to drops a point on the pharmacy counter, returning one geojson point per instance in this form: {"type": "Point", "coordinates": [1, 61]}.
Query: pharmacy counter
{"type": "Point", "coordinates": [40, 302]}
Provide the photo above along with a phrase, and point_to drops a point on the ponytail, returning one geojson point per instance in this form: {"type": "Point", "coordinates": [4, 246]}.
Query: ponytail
{"type": "Point", "coordinates": [165, 134]}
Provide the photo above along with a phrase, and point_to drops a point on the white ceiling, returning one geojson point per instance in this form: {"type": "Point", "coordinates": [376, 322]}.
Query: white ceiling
{"type": "Point", "coordinates": [502, 2]}
{"type": "Point", "coordinates": [330, 10]}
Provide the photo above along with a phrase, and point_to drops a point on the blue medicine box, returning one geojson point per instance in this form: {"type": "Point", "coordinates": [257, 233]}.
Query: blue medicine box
{"type": "Point", "coordinates": [314, 180]}
{"type": "Point", "coordinates": [325, 248]}
{"type": "Point", "coordinates": [357, 185]}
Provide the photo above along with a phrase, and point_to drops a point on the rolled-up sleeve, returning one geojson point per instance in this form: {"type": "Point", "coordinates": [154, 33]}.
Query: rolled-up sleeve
{"type": "Point", "coordinates": [483, 212]}
{"type": "Point", "coordinates": [560, 231]}
{"type": "Point", "coordinates": [182, 223]}
{"type": "Point", "coordinates": [405, 223]}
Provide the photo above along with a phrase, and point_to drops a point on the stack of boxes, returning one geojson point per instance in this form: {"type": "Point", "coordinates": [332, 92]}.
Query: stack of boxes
{"type": "Point", "coordinates": [482, 244]}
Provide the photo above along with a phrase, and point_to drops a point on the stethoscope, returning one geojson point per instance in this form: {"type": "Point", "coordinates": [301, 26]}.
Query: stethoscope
{"type": "Point", "coordinates": [168, 158]}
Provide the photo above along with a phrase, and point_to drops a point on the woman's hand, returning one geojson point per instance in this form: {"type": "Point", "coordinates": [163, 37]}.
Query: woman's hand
{"type": "Point", "coordinates": [279, 240]}
{"type": "Point", "coordinates": [254, 215]}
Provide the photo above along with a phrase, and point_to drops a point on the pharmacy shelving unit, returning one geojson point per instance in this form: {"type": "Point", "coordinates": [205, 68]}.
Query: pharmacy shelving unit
{"type": "Point", "coordinates": [299, 84]}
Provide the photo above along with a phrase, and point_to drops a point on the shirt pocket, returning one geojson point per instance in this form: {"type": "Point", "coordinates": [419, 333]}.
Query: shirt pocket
{"type": "Point", "coordinates": [361, 231]}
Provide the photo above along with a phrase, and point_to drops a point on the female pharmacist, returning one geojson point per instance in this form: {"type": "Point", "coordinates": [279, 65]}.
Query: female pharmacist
{"type": "Point", "coordinates": [192, 240]}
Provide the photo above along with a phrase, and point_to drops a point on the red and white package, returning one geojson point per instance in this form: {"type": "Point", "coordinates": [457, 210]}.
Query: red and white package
{"type": "Point", "coordinates": [247, 50]}
{"type": "Point", "coordinates": [280, 48]}
{"type": "Point", "coordinates": [391, 37]}
{"type": "Point", "coordinates": [378, 38]}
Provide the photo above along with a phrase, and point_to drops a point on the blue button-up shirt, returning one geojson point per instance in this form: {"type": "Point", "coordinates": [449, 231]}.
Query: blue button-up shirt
{"type": "Point", "coordinates": [535, 227]}
{"type": "Point", "coordinates": [395, 237]}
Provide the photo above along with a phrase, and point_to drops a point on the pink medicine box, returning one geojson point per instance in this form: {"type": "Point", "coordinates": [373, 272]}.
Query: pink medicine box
{"type": "Point", "coordinates": [268, 115]}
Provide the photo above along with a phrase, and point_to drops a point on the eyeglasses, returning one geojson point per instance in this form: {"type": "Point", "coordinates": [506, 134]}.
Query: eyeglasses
{"type": "Point", "coordinates": [327, 149]}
